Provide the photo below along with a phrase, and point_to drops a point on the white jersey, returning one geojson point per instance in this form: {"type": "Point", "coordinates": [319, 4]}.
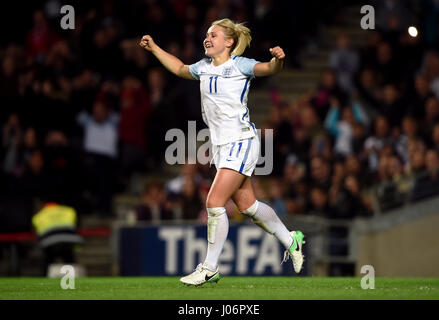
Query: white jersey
{"type": "Point", "coordinates": [224, 90]}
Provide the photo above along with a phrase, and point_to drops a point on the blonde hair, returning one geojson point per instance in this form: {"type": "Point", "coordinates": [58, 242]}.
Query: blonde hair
{"type": "Point", "coordinates": [236, 31]}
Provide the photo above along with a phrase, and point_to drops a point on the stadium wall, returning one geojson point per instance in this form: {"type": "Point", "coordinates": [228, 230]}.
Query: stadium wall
{"type": "Point", "coordinates": [408, 247]}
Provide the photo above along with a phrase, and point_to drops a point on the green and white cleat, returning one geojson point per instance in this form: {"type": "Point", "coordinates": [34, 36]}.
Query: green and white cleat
{"type": "Point", "coordinates": [200, 276]}
{"type": "Point", "coordinates": [295, 250]}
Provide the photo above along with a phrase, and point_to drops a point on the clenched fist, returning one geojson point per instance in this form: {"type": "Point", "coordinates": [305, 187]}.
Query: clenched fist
{"type": "Point", "coordinates": [277, 52]}
{"type": "Point", "coordinates": [148, 43]}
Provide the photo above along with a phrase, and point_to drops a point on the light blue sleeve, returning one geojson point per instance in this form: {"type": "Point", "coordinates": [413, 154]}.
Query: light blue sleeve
{"type": "Point", "coordinates": [194, 69]}
{"type": "Point", "coordinates": [331, 121]}
{"type": "Point", "coordinates": [359, 114]}
{"type": "Point", "coordinates": [245, 65]}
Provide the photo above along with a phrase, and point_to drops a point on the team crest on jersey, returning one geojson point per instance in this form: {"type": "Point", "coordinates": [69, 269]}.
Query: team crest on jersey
{"type": "Point", "coordinates": [227, 72]}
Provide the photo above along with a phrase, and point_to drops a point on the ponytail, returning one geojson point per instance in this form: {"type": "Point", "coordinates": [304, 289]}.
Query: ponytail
{"type": "Point", "coordinates": [238, 32]}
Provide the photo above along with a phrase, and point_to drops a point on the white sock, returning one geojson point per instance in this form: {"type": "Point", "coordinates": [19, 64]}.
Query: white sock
{"type": "Point", "coordinates": [264, 216]}
{"type": "Point", "coordinates": [214, 249]}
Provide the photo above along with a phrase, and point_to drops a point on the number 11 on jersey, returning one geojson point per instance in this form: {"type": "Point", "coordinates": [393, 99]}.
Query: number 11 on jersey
{"type": "Point", "coordinates": [210, 83]}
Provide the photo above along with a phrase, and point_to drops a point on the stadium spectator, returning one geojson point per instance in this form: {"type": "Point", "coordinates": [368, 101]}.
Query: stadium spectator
{"type": "Point", "coordinates": [430, 68]}
{"type": "Point", "coordinates": [296, 188]}
{"type": "Point", "coordinates": [348, 201]}
{"type": "Point", "coordinates": [430, 14]}
{"type": "Point", "coordinates": [11, 142]}
{"type": "Point", "coordinates": [432, 163]}
{"type": "Point", "coordinates": [276, 197]}
{"type": "Point", "coordinates": [434, 139]}
{"type": "Point", "coordinates": [101, 152]}
{"type": "Point", "coordinates": [134, 115]}
{"type": "Point", "coordinates": [280, 121]}
{"type": "Point", "coordinates": [260, 192]}
{"type": "Point", "coordinates": [310, 123]}
{"type": "Point", "coordinates": [385, 64]}
{"type": "Point", "coordinates": [409, 132]}
{"type": "Point", "coordinates": [392, 16]}
{"type": "Point", "coordinates": [394, 191]}
{"type": "Point", "coordinates": [416, 154]}
{"type": "Point", "coordinates": [188, 171]}
{"type": "Point", "coordinates": [427, 183]}
{"type": "Point", "coordinates": [190, 200]}
{"type": "Point", "coordinates": [358, 138]}
{"type": "Point", "coordinates": [100, 130]}
{"type": "Point", "coordinates": [135, 61]}
{"type": "Point", "coordinates": [376, 142]}
{"type": "Point", "coordinates": [341, 123]}
{"type": "Point", "coordinates": [8, 77]}
{"type": "Point", "coordinates": [30, 143]}
{"type": "Point", "coordinates": [353, 166]}
{"type": "Point", "coordinates": [154, 207]}
{"type": "Point", "coordinates": [23, 191]}
{"type": "Point", "coordinates": [392, 106]}
{"type": "Point", "coordinates": [56, 226]}
{"type": "Point", "coordinates": [63, 169]}
{"type": "Point", "coordinates": [419, 97]}
{"type": "Point", "coordinates": [431, 116]}
{"type": "Point", "coordinates": [164, 107]}
{"type": "Point", "coordinates": [319, 204]}
{"type": "Point", "coordinates": [368, 50]}
{"type": "Point", "coordinates": [320, 173]}
{"type": "Point", "coordinates": [301, 143]}
{"type": "Point", "coordinates": [344, 60]}
{"type": "Point", "coordinates": [40, 38]}
{"type": "Point", "coordinates": [367, 91]}
{"type": "Point", "coordinates": [328, 89]}
{"type": "Point", "coordinates": [321, 146]}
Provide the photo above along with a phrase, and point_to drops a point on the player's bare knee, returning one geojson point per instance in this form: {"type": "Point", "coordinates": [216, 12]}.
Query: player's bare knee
{"type": "Point", "coordinates": [251, 210]}
{"type": "Point", "coordinates": [243, 205]}
{"type": "Point", "coordinates": [212, 202]}
{"type": "Point", "coordinates": [244, 200]}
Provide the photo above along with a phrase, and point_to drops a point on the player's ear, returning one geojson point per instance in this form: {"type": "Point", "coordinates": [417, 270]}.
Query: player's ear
{"type": "Point", "coordinates": [229, 42]}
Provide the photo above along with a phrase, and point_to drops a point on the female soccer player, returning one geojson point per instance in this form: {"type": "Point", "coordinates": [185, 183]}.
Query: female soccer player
{"type": "Point", "coordinates": [224, 82]}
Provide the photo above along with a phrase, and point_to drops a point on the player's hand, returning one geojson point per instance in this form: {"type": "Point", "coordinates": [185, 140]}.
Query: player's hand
{"type": "Point", "coordinates": [148, 43]}
{"type": "Point", "coordinates": [277, 52]}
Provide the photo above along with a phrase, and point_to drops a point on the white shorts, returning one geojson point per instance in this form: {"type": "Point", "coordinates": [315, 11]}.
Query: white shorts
{"type": "Point", "coordinates": [241, 155]}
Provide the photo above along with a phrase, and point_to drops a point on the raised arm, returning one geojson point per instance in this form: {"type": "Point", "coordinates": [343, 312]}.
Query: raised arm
{"type": "Point", "coordinates": [275, 65]}
{"type": "Point", "coordinates": [169, 61]}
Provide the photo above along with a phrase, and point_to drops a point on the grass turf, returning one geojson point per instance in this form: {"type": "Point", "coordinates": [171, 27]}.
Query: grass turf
{"type": "Point", "coordinates": [228, 288]}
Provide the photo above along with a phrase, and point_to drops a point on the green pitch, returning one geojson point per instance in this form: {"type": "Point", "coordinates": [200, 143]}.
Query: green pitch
{"type": "Point", "coordinates": [228, 288]}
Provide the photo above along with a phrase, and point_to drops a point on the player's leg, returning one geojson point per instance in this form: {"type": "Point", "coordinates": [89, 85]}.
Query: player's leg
{"type": "Point", "coordinates": [266, 218]}
{"type": "Point", "coordinates": [261, 214]}
{"type": "Point", "coordinates": [226, 182]}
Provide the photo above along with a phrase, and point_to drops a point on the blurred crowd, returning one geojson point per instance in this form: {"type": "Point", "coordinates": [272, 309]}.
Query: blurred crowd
{"type": "Point", "coordinates": [366, 139]}
{"type": "Point", "coordinates": [84, 109]}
